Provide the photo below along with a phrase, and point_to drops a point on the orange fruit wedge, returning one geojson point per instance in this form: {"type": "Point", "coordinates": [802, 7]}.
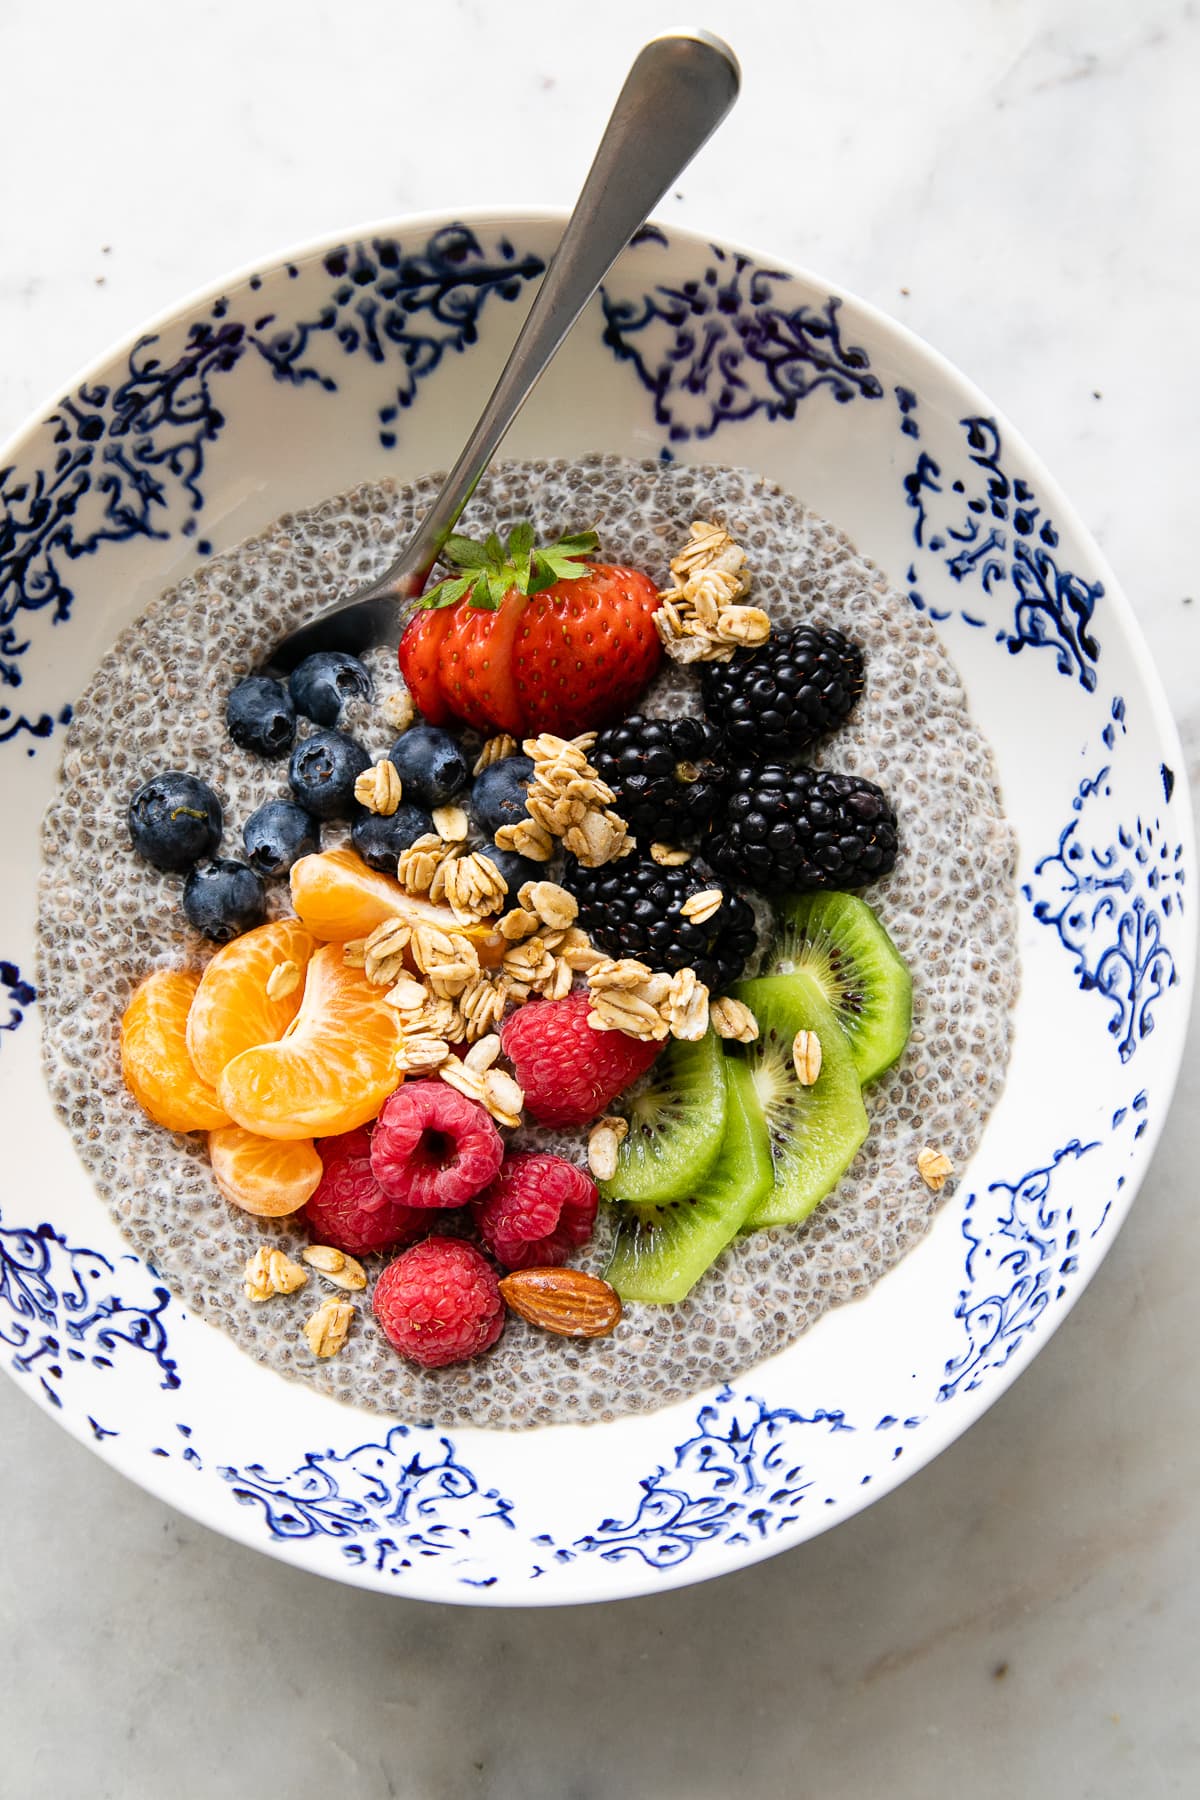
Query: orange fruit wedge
{"type": "Point", "coordinates": [232, 1010]}
{"type": "Point", "coordinates": [262, 1175]}
{"type": "Point", "coordinates": [154, 1056]}
{"type": "Point", "coordinates": [338, 898]}
{"type": "Point", "coordinates": [333, 1068]}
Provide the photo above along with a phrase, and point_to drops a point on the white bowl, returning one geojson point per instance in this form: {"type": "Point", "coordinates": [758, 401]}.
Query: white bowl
{"type": "Point", "coordinates": [346, 363]}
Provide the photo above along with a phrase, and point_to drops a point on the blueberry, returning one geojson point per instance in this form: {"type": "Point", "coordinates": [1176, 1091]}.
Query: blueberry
{"type": "Point", "coordinates": [259, 716]}
{"type": "Point", "coordinates": [322, 773]}
{"type": "Point", "coordinates": [174, 820]}
{"type": "Point", "coordinates": [498, 797]}
{"type": "Point", "coordinates": [277, 835]}
{"type": "Point", "coordinates": [516, 870]}
{"type": "Point", "coordinates": [322, 682]}
{"type": "Point", "coordinates": [432, 765]}
{"type": "Point", "coordinates": [379, 841]}
{"type": "Point", "coordinates": [223, 898]}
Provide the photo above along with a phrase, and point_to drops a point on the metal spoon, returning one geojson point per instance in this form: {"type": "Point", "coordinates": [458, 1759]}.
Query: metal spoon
{"type": "Point", "coordinates": [676, 94]}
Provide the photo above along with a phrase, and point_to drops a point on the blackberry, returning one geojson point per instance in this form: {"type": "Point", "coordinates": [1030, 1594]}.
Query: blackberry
{"type": "Point", "coordinates": [631, 908]}
{"type": "Point", "coordinates": [775, 701]}
{"type": "Point", "coordinates": [668, 775]}
{"type": "Point", "coordinates": [797, 829]}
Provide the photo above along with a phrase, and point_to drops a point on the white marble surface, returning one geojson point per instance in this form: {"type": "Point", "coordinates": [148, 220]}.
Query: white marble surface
{"type": "Point", "coordinates": [1016, 179]}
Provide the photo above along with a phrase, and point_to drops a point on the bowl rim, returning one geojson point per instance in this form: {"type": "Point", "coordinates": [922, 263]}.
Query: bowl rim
{"type": "Point", "coordinates": [724, 1559]}
{"type": "Point", "coordinates": [197, 298]}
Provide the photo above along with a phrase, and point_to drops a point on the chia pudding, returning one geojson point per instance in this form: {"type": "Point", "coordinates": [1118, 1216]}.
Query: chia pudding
{"type": "Point", "coordinates": [107, 919]}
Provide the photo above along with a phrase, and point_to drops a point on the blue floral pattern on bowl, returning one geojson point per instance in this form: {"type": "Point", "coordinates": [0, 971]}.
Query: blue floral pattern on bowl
{"type": "Point", "coordinates": [1112, 896]}
{"type": "Point", "coordinates": [62, 1304]}
{"type": "Point", "coordinates": [739, 1477]}
{"type": "Point", "coordinates": [129, 455]}
{"type": "Point", "coordinates": [726, 346]}
{"type": "Point", "coordinates": [988, 528]}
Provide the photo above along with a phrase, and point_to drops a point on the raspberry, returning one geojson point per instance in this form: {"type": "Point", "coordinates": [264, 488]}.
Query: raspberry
{"type": "Point", "coordinates": [569, 1072]}
{"type": "Point", "coordinates": [439, 1303]}
{"type": "Point", "coordinates": [351, 1144]}
{"type": "Point", "coordinates": [434, 1147]}
{"type": "Point", "coordinates": [538, 1209]}
{"type": "Point", "coordinates": [349, 1208]}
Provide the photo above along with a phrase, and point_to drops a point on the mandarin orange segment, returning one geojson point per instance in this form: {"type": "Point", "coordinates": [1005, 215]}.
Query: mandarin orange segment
{"type": "Point", "coordinates": [331, 1071]}
{"type": "Point", "coordinates": [262, 1175]}
{"type": "Point", "coordinates": [232, 1010]}
{"type": "Point", "coordinates": [338, 898]}
{"type": "Point", "coordinates": [154, 1057]}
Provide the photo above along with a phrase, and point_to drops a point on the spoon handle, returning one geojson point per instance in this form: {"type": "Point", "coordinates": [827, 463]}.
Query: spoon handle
{"type": "Point", "coordinates": [676, 94]}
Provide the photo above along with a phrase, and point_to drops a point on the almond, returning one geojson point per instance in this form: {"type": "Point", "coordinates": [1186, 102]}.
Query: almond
{"type": "Point", "coordinates": [565, 1301]}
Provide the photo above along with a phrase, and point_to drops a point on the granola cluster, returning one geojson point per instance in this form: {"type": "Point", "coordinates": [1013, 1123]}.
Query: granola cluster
{"type": "Point", "coordinates": [630, 997]}
{"type": "Point", "coordinates": [702, 618]}
{"type": "Point", "coordinates": [568, 802]}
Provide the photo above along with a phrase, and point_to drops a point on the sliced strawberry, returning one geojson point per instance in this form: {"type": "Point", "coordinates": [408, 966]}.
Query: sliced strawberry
{"type": "Point", "coordinates": [420, 662]}
{"type": "Point", "coordinates": [477, 677]}
{"type": "Point", "coordinates": [527, 638]}
{"type": "Point", "coordinates": [586, 649]}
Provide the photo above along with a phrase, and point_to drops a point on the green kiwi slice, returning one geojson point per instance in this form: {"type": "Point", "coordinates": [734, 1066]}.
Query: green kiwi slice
{"type": "Point", "coordinates": [838, 940]}
{"type": "Point", "coordinates": [675, 1126]}
{"type": "Point", "coordinates": [662, 1251]}
{"type": "Point", "coordinates": [814, 1131]}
